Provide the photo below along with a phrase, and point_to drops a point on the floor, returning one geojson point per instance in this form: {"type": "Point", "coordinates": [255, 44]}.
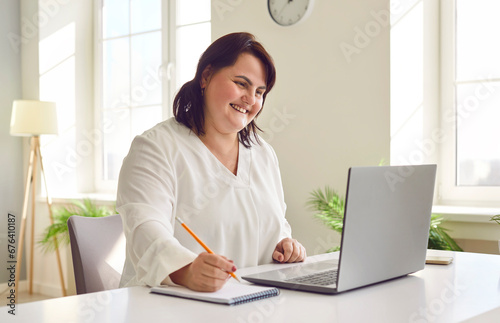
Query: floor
{"type": "Point", "coordinates": [25, 297]}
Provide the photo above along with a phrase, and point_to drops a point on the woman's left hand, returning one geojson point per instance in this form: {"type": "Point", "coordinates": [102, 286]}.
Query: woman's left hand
{"type": "Point", "coordinates": [289, 250]}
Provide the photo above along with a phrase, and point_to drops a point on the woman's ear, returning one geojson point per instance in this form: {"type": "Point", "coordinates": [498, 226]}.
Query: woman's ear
{"type": "Point", "coordinates": [205, 76]}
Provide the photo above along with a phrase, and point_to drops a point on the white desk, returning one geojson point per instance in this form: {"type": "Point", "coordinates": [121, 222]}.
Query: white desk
{"type": "Point", "coordinates": [467, 290]}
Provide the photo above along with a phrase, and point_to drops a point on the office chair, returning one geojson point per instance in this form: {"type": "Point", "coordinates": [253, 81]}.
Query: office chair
{"type": "Point", "coordinates": [98, 252]}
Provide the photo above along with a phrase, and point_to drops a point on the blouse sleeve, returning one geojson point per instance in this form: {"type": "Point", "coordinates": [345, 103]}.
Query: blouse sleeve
{"type": "Point", "coordinates": [145, 201]}
{"type": "Point", "coordinates": [286, 230]}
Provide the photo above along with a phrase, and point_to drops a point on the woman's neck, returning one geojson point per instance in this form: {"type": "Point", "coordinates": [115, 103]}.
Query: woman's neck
{"type": "Point", "coordinates": [224, 147]}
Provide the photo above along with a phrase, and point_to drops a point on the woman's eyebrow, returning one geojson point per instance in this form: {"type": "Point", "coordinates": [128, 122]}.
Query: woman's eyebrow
{"type": "Point", "coordinates": [250, 82]}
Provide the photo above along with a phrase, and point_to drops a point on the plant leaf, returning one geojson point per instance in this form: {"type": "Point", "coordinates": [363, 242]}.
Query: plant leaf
{"type": "Point", "coordinates": [329, 208]}
{"type": "Point", "coordinates": [439, 238]}
{"type": "Point", "coordinates": [57, 233]}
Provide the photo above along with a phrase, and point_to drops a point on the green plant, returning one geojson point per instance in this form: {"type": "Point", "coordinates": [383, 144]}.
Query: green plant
{"type": "Point", "coordinates": [329, 208]}
{"type": "Point", "coordinates": [439, 238]}
{"type": "Point", "coordinates": [496, 218]}
{"type": "Point", "coordinates": [59, 229]}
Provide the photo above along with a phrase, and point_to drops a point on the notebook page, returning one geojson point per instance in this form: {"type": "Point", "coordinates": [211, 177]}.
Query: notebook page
{"type": "Point", "coordinates": [231, 293]}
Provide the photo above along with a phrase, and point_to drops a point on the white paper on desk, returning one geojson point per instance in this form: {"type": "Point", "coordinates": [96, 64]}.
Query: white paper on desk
{"type": "Point", "coordinates": [230, 294]}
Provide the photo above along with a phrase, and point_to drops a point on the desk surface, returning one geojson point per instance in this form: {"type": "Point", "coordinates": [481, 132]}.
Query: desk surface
{"type": "Point", "coordinates": [467, 290]}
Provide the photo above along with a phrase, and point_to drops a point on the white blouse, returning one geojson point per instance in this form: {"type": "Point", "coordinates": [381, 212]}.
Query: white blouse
{"type": "Point", "coordinates": [169, 172]}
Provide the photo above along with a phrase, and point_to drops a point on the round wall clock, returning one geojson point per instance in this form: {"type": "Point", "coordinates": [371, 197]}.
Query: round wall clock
{"type": "Point", "coordinates": [288, 12]}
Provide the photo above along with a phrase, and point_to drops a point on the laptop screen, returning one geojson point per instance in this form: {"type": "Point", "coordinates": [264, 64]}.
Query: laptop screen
{"type": "Point", "coordinates": [386, 223]}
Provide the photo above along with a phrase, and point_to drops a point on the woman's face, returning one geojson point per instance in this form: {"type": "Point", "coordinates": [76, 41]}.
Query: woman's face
{"type": "Point", "coordinates": [233, 95]}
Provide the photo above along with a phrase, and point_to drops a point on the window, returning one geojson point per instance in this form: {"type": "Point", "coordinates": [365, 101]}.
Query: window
{"type": "Point", "coordinates": [477, 85]}
{"type": "Point", "coordinates": [146, 49]}
{"type": "Point", "coordinates": [130, 94]}
{"type": "Point", "coordinates": [470, 110]}
{"type": "Point", "coordinates": [445, 95]}
{"type": "Point", "coordinates": [192, 37]}
{"type": "Point", "coordinates": [112, 67]}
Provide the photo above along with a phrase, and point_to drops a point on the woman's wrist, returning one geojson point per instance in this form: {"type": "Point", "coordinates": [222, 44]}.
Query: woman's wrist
{"type": "Point", "coordinates": [179, 276]}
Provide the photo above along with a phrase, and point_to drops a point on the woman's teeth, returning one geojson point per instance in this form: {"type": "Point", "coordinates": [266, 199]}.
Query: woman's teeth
{"type": "Point", "coordinates": [238, 108]}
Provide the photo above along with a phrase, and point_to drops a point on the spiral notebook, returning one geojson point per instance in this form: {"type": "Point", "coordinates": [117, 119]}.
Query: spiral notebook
{"type": "Point", "coordinates": [230, 294]}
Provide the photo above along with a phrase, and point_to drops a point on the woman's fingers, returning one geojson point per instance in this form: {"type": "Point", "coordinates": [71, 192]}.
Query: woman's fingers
{"type": "Point", "coordinates": [208, 272]}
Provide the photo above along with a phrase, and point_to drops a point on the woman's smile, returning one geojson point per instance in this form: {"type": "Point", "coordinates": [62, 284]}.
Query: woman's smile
{"type": "Point", "coordinates": [238, 108]}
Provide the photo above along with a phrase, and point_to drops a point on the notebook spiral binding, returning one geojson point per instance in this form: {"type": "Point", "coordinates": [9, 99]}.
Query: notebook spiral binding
{"type": "Point", "coordinates": [255, 296]}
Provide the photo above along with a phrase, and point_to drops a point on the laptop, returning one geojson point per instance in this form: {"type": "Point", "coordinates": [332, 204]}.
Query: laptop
{"type": "Point", "coordinates": [385, 233]}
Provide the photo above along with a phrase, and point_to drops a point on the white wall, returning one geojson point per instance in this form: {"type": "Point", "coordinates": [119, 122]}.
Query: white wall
{"type": "Point", "coordinates": [11, 156]}
{"type": "Point", "coordinates": [21, 27]}
{"type": "Point", "coordinates": [65, 77]}
{"type": "Point", "coordinates": [328, 110]}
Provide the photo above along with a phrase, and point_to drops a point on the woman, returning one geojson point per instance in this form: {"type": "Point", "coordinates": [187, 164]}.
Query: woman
{"type": "Point", "coordinates": [207, 166]}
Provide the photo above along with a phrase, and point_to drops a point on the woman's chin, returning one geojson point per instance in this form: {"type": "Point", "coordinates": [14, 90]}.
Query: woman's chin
{"type": "Point", "coordinates": [240, 124]}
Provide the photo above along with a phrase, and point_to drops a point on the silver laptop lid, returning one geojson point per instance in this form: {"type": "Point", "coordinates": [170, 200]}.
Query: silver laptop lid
{"type": "Point", "coordinates": [386, 223]}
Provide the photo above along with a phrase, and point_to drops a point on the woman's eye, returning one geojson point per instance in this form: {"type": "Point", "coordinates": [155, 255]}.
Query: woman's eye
{"type": "Point", "coordinates": [240, 83]}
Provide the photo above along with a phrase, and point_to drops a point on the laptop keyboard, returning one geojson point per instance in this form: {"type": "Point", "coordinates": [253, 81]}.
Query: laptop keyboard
{"type": "Point", "coordinates": [323, 278]}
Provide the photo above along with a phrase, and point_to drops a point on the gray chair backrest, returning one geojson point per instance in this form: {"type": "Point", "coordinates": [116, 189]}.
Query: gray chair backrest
{"type": "Point", "coordinates": [98, 252]}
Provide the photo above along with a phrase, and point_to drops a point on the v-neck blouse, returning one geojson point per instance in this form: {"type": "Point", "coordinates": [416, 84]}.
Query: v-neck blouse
{"type": "Point", "coordinates": [244, 160]}
{"type": "Point", "coordinates": [169, 172]}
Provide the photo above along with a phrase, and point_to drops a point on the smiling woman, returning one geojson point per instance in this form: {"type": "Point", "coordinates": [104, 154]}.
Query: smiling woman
{"type": "Point", "coordinates": [208, 166]}
{"type": "Point", "coordinates": [224, 53]}
{"type": "Point", "coordinates": [232, 101]}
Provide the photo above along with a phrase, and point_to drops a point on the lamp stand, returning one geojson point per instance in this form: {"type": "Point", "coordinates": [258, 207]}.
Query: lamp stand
{"type": "Point", "coordinates": [31, 178]}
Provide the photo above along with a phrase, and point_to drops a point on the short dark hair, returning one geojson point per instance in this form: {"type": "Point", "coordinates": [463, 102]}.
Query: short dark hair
{"type": "Point", "coordinates": [188, 102]}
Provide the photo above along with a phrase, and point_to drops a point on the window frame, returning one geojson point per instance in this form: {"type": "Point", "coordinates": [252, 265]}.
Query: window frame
{"type": "Point", "coordinates": [164, 71]}
{"type": "Point", "coordinates": [448, 192]}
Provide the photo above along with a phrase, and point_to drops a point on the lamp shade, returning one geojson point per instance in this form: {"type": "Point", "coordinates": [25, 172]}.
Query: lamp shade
{"type": "Point", "coordinates": [31, 117]}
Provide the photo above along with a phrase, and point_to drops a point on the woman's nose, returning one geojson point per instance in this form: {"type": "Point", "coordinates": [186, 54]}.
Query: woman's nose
{"type": "Point", "coordinates": [249, 98]}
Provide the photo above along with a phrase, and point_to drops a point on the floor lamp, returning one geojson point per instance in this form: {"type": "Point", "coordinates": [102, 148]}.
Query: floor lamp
{"type": "Point", "coordinates": [33, 118]}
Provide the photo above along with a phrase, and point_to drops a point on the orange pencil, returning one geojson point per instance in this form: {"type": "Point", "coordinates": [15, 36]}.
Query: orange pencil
{"type": "Point", "coordinates": [200, 242]}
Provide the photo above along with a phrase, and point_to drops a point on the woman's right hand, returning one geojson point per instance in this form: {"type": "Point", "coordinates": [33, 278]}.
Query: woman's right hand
{"type": "Point", "coordinates": [207, 273]}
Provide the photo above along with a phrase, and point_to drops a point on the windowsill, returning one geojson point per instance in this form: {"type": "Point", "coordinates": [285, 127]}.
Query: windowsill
{"type": "Point", "coordinates": [98, 198]}
{"type": "Point", "coordinates": [449, 213]}
{"type": "Point", "coordinates": [466, 213]}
